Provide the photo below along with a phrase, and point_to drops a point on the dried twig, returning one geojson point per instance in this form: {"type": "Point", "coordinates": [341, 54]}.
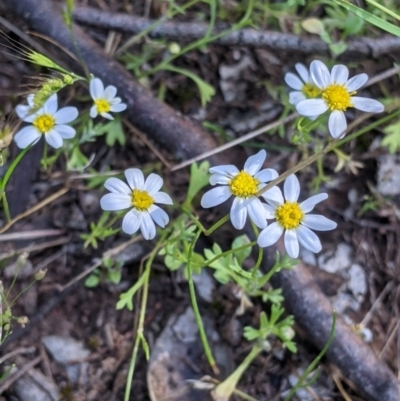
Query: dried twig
{"type": "Point", "coordinates": [187, 31]}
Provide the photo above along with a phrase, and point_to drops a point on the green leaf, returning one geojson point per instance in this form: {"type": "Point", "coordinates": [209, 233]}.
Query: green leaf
{"type": "Point", "coordinates": [113, 131]}
{"type": "Point", "coordinates": [114, 276]}
{"type": "Point", "coordinates": [244, 253]}
{"type": "Point", "coordinates": [205, 89]}
{"type": "Point", "coordinates": [198, 180]}
{"type": "Point", "coordinates": [92, 281]}
{"type": "Point", "coordinates": [126, 298]}
{"type": "Point", "coordinates": [392, 138]}
{"type": "Point", "coordinates": [371, 18]}
{"type": "Point", "coordinates": [78, 161]}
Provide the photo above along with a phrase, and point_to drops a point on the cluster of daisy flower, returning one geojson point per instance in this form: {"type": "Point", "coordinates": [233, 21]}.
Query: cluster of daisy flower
{"type": "Point", "coordinates": [317, 91]}
{"type": "Point", "coordinates": [291, 217]}
{"type": "Point", "coordinates": [52, 123]}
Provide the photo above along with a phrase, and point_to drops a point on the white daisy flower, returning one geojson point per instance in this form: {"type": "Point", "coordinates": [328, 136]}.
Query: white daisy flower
{"type": "Point", "coordinates": [140, 196]}
{"type": "Point", "coordinates": [304, 86]}
{"type": "Point", "coordinates": [47, 122]}
{"type": "Point", "coordinates": [244, 185]}
{"type": "Point", "coordinates": [292, 218]}
{"type": "Point", "coordinates": [337, 95]}
{"type": "Point", "coordinates": [104, 100]}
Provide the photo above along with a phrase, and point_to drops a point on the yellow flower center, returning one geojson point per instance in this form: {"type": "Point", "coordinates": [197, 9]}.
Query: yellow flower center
{"type": "Point", "coordinates": [244, 185]}
{"type": "Point", "coordinates": [44, 123]}
{"type": "Point", "coordinates": [102, 105]}
{"type": "Point", "coordinates": [141, 200]}
{"type": "Point", "coordinates": [310, 90]}
{"type": "Point", "coordinates": [337, 97]}
{"type": "Point", "coordinates": [289, 215]}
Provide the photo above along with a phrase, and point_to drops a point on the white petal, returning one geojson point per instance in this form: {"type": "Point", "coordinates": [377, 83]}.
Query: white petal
{"type": "Point", "coordinates": [117, 186]}
{"type": "Point", "coordinates": [110, 92]}
{"type": "Point", "coordinates": [269, 211]}
{"type": "Point", "coordinates": [22, 111]}
{"type": "Point", "coordinates": [162, 197]}
{"type": "Point", "coordinates": [291, 188]}
{"type": "Point", "coordinates": [257, 213]}
{"type": "Point", "coordinates": [27, 136]}
{"type": "Point", "coordinates": [320, 74]}
{"type": "Point", "coordinates": [96, 88]}
{"type": "Point", "coordinates": [135, 178]}
{"type": "Point", "coordinates": [318, 222]}
{"type": "Point", "coordinates": [159, 216]}
{"type": "Point", "coordinates": [269, 235]}
{"type": "Point", "coordinates": [273, 196]}
{"type": "Point", "coordinates": [93, 112]}
{"type": "Point", "coordinates": [311, 107]}
{"type": "Point", "coordinates": [130, 223]}
{"type": "Point", "coordinates": [30, 99]}
{"type": "Point", "coordinates": [219, 179]}
{"type": "Point", "coordinates": [367, 105]}
{"type": "Point", "coordinates": [65, 131]}
{"type": "Point", "coordinates": [356, 82]}
{"type": "Point", "coordinates": [239, 212]}
{"type": "Point", "coordinates": [303, 72]}
{"type": "Point", "coordinates": [310, 203]}
{"type": "Point", "coordinates": [255, 162]}
{"type": "Point", "coordinates": [291, 243]}
{"type": "Point", "coordinates": [147, 226]}
{"type": "Point", "coordinates": [228, 170]}
{"type": "Point", "coordinates": [215, 196]}
{"type": "Point", "coordinates": [268, 174]}
{"type": "Point", "coordinates": [293, 81]}
{"type": "Point", "coordinates": [339, 74]}
{"type": "Point", "coordinates": [337, 124]}
{"type": "Point", "coordinates": [53, 138]}
{"type": "Point", "coordinates": [153, 184]}
{"type": "Point", "coordinates": [116, 108]}
{"type": "Point", "coordinates": [108, 116]}
{"type": "Point", "coordinates": [114, 202]}
{"type": "Point", "coordinates": [296, 97]}
{"type": "Point", "coordinates": [308, 239]}
{"type": "Point", "coordinates": [116, 100]}
{"type": "Point", "coordinates": [66, 115]}
{"type": "Point", "coordinates": [51, 105]}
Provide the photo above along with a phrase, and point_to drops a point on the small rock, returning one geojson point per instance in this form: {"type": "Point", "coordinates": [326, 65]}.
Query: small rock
{"type": "Point", "coordinates": [388, 175]}
{"type": "Point", "coordinates": [338, 262]}
{"type": "Point", "coordinates": [34, 386]}
{"type": "Point", "coordinates": [68, 352]}
{"type": "Point", "coordinates": [358, 282]}
{"type": "Point", "coordinates": [132, 253]}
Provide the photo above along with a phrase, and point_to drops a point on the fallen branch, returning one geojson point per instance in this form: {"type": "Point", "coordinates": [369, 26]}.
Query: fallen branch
{"type": "Point", "coordinates": [185, 139]}
{"type": "Point", "coordinates": [189, 31]}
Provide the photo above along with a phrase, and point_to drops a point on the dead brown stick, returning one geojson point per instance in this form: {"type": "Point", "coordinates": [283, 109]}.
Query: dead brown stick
{"type": "Point", "coordinates": [189, 31]}
{"type": "Point", "coordinates": [185, 139]}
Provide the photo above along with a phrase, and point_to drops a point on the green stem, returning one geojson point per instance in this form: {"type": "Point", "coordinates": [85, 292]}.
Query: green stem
{"type": "Point", "coordinates": [225, 389]}
{"type": "Point", "coordinates": [218, 224]}
{"type": "Point", "coordinates": [314, 363]}
{"type": "Point", "coordinates": [5, 179]}
{"type": "Point", "coordinates": [196, 310]}
{"type": "Point", "coordinates": [139, 333]}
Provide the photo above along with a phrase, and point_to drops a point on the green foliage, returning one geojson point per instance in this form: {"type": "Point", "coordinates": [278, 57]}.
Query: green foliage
{"type": "Point", "coordinates": [392, 138]}
{"type": "Point", "coordinates": [272, 325]}
{"type": "Point", "coordinates": [99, 231]}
{"type": "Point", "coordinates": [198, 180]}
{"type": "Point", "coordinates": [126, 298]}
{"type": "Point", "coordinates": [110, 272]}
{"type": "Point", "coordinates": [176, 248]}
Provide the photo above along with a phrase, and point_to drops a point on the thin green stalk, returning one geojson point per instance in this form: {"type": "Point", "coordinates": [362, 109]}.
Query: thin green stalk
{"type": "Point", "coordinates": [5, 179]}
{"type": "Point", "coordinates": [314, 363]}
{"type": "Point", "coordinates": [218, 224]}
{"type": "Point", "coordinates": [142, 315]}
{"type": "Point", "coordinates": [199, 321]}
{"type": "Point", "coordinates": [260, 252]}
{"type": "Point", "coordinates": [384, 9]}
{"type": "Point", "coordinates": [143, 33]}
{"type": "Point", "coordinates": [205, 40]}
{"type": "Point", "coordinates": [224, 390]}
